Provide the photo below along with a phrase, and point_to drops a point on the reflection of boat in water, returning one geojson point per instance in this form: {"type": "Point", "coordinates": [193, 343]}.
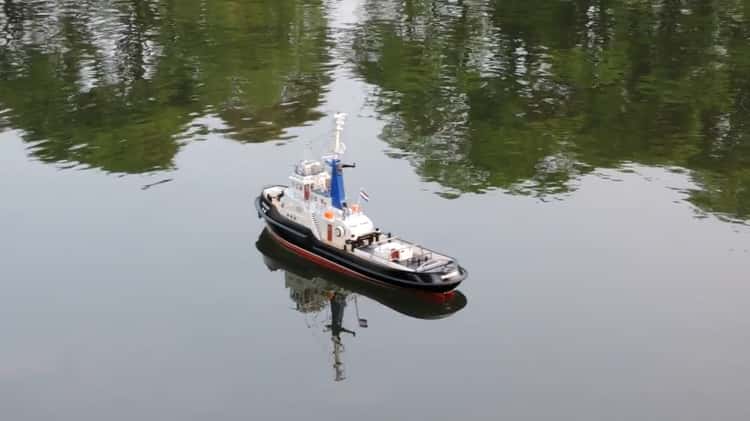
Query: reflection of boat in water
{"type": "Point", "coordinates": [315, 289]}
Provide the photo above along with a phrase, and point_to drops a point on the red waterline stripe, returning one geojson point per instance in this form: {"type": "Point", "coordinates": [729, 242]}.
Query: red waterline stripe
{"type": "Point", "coordinates": [323, 261]}
{"type": "Point", "coordinates": [431, 296]}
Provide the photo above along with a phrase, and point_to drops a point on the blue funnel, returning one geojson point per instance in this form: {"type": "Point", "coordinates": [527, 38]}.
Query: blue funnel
{"type": "Point", "coordinates": [338, 196]}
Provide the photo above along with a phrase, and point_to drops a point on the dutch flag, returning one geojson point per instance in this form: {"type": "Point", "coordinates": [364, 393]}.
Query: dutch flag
{"type": "Point", "coordinates": [363, 194]}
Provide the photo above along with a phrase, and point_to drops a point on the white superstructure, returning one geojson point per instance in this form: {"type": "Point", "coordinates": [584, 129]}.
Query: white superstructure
{"type": "Point", "coordinates": [315, 199]}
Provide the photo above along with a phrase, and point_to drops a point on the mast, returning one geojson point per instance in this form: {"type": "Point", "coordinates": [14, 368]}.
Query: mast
{"type": "Point", "coordinates": [338, 195]}
{"type": "Point", "coordinates": [339, 147]}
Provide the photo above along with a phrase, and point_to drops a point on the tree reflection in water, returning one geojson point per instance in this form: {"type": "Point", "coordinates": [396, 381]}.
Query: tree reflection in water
{"type": "Point", "coordinates": [114, 85]}
{"type": "Point", "coordinates": [522, 96]}
{"type": "Point", "coordinates": [528, 96]}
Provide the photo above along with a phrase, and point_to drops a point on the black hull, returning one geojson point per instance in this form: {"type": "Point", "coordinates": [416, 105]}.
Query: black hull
{"type": "Point", "coordinates": [301, 240]}
{"type": "Point", "coordinates": [407, 302]}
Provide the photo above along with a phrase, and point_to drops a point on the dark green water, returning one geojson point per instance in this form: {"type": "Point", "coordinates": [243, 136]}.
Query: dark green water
{"type": "Point", "coordinates": [587, 161]}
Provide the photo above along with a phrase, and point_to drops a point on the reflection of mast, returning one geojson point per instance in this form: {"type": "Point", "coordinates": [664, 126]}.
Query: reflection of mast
{"type": "Point", "coordinates": [312, 296]}
{"type": "Point", "coordinates": [312, 289]}
{"type": "Point", "coordinates": [338, 305]}
{"type": "Point", "coordinates": [338, 365]}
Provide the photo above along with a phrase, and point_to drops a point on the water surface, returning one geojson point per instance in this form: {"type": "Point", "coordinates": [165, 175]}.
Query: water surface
{"type": "Point", "coordinates": [587, 161]}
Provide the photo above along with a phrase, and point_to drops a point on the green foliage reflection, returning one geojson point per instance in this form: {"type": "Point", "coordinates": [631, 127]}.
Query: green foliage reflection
{"type": "Point", "coordinates": [113, 84]}
{"type": "Point", "coordinates": [527, 96]}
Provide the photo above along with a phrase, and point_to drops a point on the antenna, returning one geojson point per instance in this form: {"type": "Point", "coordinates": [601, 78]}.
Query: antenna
{"type": "Point", "coordinates": [307, 153]}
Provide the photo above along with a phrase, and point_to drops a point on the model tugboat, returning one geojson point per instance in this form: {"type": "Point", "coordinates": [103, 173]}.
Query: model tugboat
{"type": "Point", "coordinates": [312, 218]}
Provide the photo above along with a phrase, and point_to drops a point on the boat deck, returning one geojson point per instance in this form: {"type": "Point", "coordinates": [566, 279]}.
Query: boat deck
{"type": "Point", "coordinates": [421, 259]}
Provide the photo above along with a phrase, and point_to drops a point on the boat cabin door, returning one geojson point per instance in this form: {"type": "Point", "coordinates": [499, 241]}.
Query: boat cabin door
{"type": "Point", "coordinates": [307, 192]}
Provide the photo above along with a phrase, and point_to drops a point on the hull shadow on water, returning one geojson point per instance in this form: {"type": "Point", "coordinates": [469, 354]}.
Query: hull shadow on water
{"type": "Point", "coordinates": [316, 290]}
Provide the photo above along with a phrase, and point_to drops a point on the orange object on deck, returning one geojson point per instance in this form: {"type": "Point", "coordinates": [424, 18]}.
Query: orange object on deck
{"type": "Point", "coordinates": [328, 214]}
